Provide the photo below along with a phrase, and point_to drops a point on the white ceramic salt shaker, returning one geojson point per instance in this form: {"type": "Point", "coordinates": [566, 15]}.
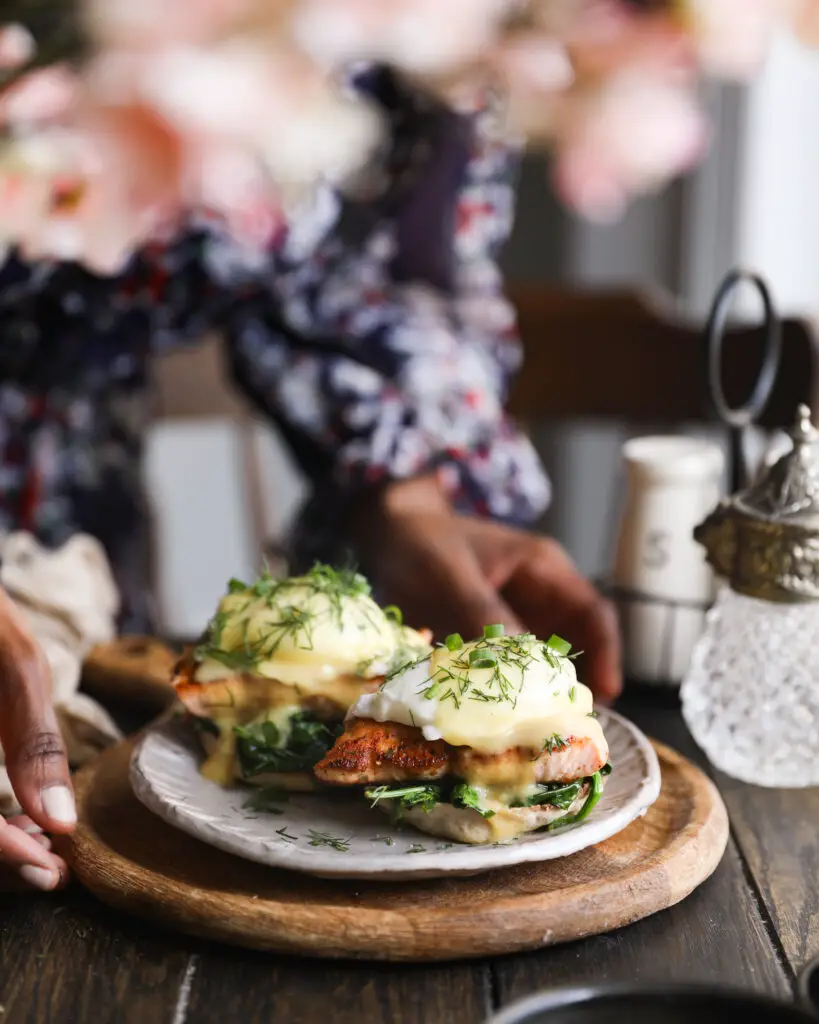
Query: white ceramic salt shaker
{"type": "Point", "coordinates": [662, 583]}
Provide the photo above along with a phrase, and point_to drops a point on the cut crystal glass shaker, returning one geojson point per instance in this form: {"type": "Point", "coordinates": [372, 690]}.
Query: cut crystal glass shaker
{"type": "Point", "coordinates": [751, 694]}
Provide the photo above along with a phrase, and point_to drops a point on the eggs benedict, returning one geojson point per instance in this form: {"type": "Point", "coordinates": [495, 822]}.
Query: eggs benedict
{"type": "Point", "coordinates": [280, 664]}
{"type": "Point", "coordinates": [477, 742]}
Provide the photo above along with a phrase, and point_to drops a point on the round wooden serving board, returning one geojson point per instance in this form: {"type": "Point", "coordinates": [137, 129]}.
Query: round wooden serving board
{"type": "Point", "coordinates": [133, 861]}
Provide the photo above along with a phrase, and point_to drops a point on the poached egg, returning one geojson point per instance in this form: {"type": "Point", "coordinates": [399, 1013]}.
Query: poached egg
{"type": "Point", "coordinates": [305, 632]}
{"type": "Point", "coordinates": [490, 694]}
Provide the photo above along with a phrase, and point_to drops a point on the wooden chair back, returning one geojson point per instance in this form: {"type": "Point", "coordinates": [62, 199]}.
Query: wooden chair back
{"type": "Point", "coordinates": [623, 354]}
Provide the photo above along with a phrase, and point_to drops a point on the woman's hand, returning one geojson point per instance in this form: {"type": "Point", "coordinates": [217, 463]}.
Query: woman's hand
{"type": "Point", "coordinates": [456, 574]}
{"type": "Point", "coordinates": [35, 756]}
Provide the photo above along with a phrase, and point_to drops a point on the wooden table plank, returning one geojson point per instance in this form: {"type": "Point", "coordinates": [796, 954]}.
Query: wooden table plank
{"type": "Point", "coordinates": [233, 985]}
{"type": "Point", "coordinates": [778, 833]}
{"type": "Point", "coordinates": [65, 959]}
{"type": "Point", "coordinates": [715, 935]}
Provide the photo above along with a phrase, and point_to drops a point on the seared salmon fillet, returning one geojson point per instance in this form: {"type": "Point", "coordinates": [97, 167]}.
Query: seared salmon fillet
{"type": "Point", "coordinates": [383, 752]}
{"type": "Point", "coordinates": [378, 752]}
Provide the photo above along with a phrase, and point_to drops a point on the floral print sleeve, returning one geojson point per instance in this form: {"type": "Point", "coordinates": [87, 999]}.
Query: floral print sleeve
{"type": "Point", "coordinates": [375, 333]}
{"type": "Point", "coordinates": [374, 372]}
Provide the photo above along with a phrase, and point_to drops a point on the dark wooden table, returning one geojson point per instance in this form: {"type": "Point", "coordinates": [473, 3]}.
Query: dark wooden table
{"type": "Point", "coordinates": [67, 958]}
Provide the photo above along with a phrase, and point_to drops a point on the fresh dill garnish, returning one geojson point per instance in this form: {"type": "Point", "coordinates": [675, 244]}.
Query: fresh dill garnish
{"type": "Point", "coordinates": [386, 840]}
{"type": "Point", "coordinates": [502, 660]}
{"type": "Point", "coordinates": [572, 693]}
{"type": "Point", "coordinates": [343, 582]}
{"type": "Point", "coordinates": [402, 663]}
{"type": "Point", "coordinates": [325, 839]}
{"type": "Point", "coordinates": [286, 835]}
{"type": "Point", "coordinates": [249, 607]}
{"type": "Point", "coordinates": [553, 743]}
{"type": "Point", "coordinates": [416, 848]}
{"type": "Point", "coordinates": [552, 659]}
{"type": "Point", "coordinates": [592, 714]}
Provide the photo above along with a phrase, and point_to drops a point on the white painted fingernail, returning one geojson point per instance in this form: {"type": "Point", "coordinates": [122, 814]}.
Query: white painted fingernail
{"type": "Point", "coordinates": [32, 830]}
{"type": "Point", "coordinates": [58, 803]}
{"type": "Point", "coordinates": [40, 878]}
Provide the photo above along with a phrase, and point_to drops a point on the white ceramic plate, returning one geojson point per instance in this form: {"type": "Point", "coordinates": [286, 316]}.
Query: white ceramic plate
{"type": "Point", "coordinates": [165, 777]}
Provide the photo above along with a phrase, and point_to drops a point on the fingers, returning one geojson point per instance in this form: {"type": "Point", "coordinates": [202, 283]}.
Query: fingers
{"type": "Point", "coordinates": [542, 585]}
{"type": "Point", "coordinates": [27, 856]}
{"type": "Point", "coordinates": [35, 754]}
{"type": "Point", "coordinates": [463, 598]}
{"type": "Point", "coordinates": [603, 658]}
{"type": "Point", "coordinates": [426, 565]}
{"type": "Point", "coordinates": [547, 589]}
{"type": "Point", "coordinates": [31, 828]}
{"type": "Point", "coordinates": [458, 595]}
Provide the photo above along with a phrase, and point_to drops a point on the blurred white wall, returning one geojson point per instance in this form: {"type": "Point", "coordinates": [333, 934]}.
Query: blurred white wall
{"type": "Point", "coordinates": [195, 471]}
{"type": "Point", "coordinates": [778, 179]}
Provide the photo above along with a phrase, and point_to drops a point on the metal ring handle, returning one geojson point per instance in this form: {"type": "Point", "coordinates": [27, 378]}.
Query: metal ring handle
{"type": "Point", "coordinates": [745, 415]}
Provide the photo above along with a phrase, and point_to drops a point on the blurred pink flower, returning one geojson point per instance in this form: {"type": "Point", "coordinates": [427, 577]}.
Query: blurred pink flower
{"type": "Point", "coordinates": [804, 15]}
{"type": "Point", "coordinates": [732, 36]}
{"type": "Point", "coordinates": [419, 36]}
{"type": "Point", "coordinates": [140, 23]}
{"type": "Point", "coordinates": [16, 46]}
{"type": "Point", "coordinates": [627, 135]}
{"type": "Point", "coordinates": [235, 108]}
{"type": "Point", "coordinates": [532, 69]}
{"type": "Point", "coordinates": [45, 95]}
{"type": "Point", "coordinates": [277, 106]}
{"type": "Point", "coordinates": [25, 190]}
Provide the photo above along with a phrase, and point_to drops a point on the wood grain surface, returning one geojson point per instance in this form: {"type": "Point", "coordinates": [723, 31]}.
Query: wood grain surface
{"type": "Point", "coordinates": [778, 830]}
{"type": "Point", "coordinates": [133, 861]}
{"type": "Point", "coordinates": [776, 833]}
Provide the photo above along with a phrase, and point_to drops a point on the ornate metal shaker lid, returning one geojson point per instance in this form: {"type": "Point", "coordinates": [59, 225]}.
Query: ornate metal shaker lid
{"type": "Point", "coordinates": [765, 539]}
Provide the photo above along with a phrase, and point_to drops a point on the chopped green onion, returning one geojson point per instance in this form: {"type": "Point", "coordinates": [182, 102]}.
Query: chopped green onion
{"type": "Point", "coordinates": [558, 645]}
{"type": "Point", "coordinates": [394, 612]}
{"type": "Point", "coordinates": [482, 659]}
{"type": "Point", "coordinates": [454, 642]}
{"type": "Point", "coordinates": [493, 632]}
